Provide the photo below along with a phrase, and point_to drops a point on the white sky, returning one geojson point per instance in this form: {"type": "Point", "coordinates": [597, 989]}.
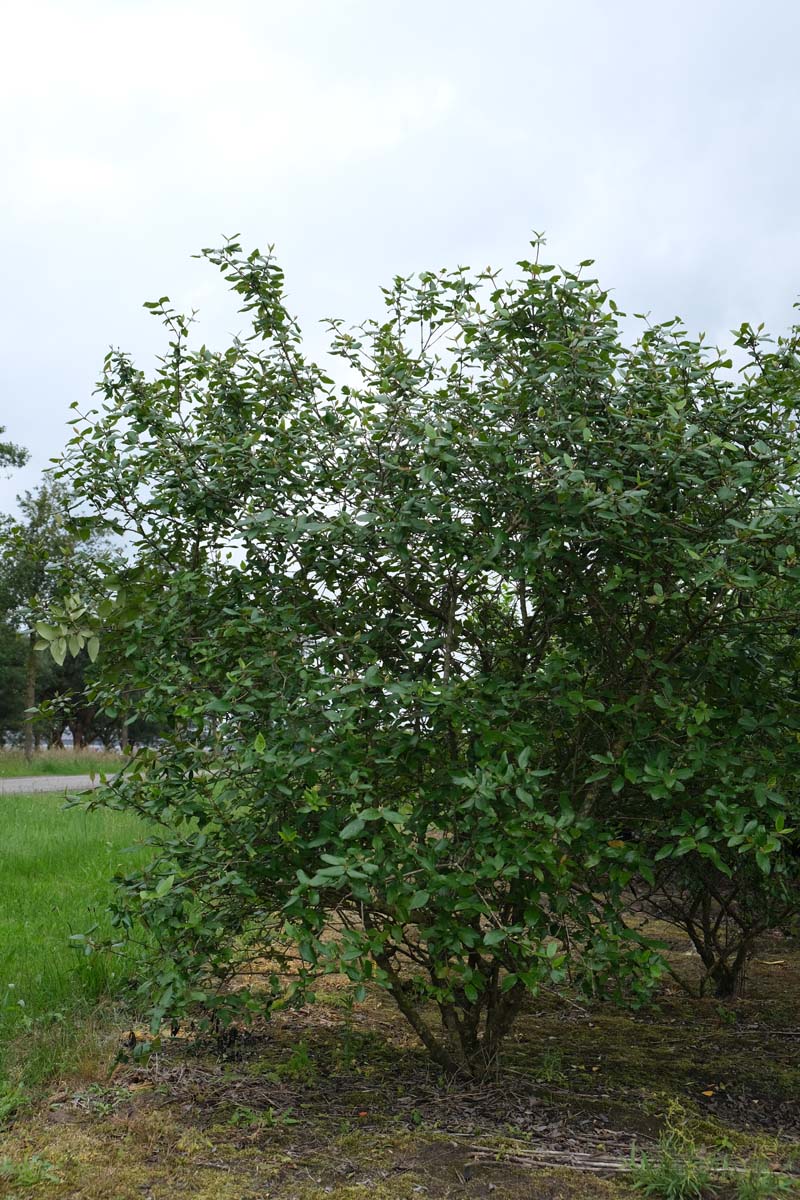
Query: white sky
{"type": "Point", "coordinates": [367, 138]}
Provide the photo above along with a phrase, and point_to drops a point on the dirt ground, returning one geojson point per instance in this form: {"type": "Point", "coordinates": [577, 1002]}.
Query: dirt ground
{"type": "Point", "coordinates": [339, 1101]}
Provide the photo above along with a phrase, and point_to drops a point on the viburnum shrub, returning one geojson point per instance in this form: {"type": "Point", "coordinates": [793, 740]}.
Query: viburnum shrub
{"type": "Point", "coordinates": [436, 649]}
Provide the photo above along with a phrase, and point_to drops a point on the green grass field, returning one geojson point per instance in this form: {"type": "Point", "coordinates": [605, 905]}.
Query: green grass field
{"type": "Point", "coordinates": [55, 867]}
{"type": "Point", "coordinates": [13, 763]}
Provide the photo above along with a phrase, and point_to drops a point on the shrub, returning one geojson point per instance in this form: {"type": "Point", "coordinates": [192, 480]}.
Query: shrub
{"type": "Point", "coordinates": [437, 652]}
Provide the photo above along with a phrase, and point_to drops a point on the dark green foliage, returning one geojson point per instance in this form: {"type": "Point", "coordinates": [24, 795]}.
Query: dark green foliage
{"type": "Point", "coordinates": [46, 556]}
{"type": "Point", "coordinates": [450, 655]}
{"type": "Point", "coordinates": [11, 455]}
{"type": "Point", "coordinates": [12, 680]}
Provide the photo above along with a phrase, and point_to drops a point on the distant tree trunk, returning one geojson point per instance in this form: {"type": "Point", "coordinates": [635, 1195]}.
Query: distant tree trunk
{"type": "Point", "coordinates": [30, 695]}
{"type": "Point", "coordinates": [123, 736]}
{"type": "Point", "coordinates": [79, 727]}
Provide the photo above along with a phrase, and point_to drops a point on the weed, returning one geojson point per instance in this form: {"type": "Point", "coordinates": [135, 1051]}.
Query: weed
{"type": "Point", "coordinates": [28, 1171]}
{"type": "Point", "coordinates": [335, 999]}
{"type": "Point", "coordinates": [551, 1067]}
{"type": "Point", "coordinates": [726, 1015]}
{"type": "Point", "coordinates": [300, 1066]}
{"type": "Point", "coordinates": [12, 1100]}
{"type": "Point", "coordinates": [676, 1172]}
{"type": "Point", "coordinates": [249, 1118]}
{"type": "Point", "coordinates": [758, 1182]}
{"type": "Point", "coordinates": [266, 1070]}
{"type": "Point", "coordinates": [102, 1101]}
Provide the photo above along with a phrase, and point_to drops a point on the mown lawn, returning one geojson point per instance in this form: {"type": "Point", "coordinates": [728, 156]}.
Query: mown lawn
{"type": "Point", "coordinates": [55, 864]}
{"type": "Point", "coordinates": [14, 765]}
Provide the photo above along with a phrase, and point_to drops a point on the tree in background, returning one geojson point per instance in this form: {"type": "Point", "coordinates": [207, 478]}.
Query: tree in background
{"type": "Point", "coordinates": [44, 556]}
{"type": "Point", "coordinates": [443, 656]}
{"type": "Point", "coordinates": [62, 701]}
{"type": "Point", "coordinates": [11, 645]}
{"type": "Point", "coordinates": [11, 455]}
{"type": "Point", "coordinates": [12, 674]}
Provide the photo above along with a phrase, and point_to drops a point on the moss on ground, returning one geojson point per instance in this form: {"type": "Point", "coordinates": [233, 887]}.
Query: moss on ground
{"type": "Point", "coordinates": [123, 1159]}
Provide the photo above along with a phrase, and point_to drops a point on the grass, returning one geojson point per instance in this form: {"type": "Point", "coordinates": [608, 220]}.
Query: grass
{"type": "Point", "coordinates": [677, 1172]}
{"type": "Point", "coordinates": [14, 765]}
{"type": "Point", "coordinates": [55, 864]}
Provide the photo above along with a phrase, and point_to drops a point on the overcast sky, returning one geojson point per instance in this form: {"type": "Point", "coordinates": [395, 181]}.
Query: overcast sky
{"type": "Point", "coordinates": [370, 137]}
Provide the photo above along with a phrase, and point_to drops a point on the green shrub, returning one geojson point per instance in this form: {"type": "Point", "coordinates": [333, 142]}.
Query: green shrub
{"type": "Point", "coordinates": [448, 655]}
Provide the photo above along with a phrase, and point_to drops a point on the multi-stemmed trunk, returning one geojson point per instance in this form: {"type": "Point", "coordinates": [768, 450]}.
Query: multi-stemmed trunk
{"type": "Point", "coordinates": [471, 1033]}
{"type": "Point", "coordinates": [729, 975]}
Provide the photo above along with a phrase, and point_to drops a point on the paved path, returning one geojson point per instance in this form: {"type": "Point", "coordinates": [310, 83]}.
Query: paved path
{"type": "Point", "coordinates": [48, 783]}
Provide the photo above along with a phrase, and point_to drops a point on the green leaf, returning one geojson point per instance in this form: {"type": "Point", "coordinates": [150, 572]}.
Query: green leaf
{"type": "Point", "coordinates": [353, 828]}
